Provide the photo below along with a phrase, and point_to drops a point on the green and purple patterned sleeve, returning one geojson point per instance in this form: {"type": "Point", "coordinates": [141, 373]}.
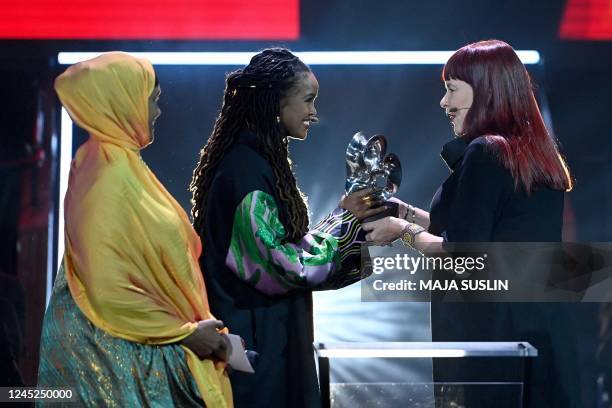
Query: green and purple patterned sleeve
{"type": "Point", "coordinates": [325, 258]}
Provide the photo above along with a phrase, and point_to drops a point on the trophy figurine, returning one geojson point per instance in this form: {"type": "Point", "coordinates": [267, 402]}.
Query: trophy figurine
{"type": "Point", "coordinates": [368, 166]}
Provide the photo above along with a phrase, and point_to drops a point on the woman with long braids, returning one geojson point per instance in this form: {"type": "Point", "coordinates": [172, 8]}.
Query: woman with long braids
{"type": "Point", "coordinates": [260, 260]}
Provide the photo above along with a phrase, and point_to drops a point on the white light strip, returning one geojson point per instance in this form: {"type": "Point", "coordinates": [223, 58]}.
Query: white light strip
{"type": "Point", "coordinates": [309, 57]}
{"type": "Point", "coordinates": [65, 160]}
{"type": "Point", "coordinates": [389, 353]}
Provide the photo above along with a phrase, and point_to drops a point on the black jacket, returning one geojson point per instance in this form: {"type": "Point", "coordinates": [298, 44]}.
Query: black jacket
{"type": "Point", "coordinates": [278, 328]}
{"type": "Point", "coordinates": [479, 202]}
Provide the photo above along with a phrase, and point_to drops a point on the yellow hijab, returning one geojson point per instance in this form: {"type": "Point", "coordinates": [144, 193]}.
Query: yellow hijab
{"type": "Point", "coordinates": [131, 253]}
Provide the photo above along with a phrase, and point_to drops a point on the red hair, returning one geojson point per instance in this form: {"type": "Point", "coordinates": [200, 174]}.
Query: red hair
{"type": "Point", "coordinates": [505, 111]}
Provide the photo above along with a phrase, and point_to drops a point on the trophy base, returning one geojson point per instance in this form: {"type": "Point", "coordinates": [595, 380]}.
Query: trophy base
{"type": "Point", "coordinates": [392, 210]}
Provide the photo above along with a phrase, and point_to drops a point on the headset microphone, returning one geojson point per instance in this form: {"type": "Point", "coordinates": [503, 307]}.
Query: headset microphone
{"type": "Point", "coordinates": [453, 110]}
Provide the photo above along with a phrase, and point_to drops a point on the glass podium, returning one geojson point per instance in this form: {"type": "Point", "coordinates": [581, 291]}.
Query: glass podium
{"type": "Point", "coordinates": [502, 374]}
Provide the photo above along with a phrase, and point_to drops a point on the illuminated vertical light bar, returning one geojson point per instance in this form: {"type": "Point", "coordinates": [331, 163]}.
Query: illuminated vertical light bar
{"type": "Point", "coordinates": [64, 171]}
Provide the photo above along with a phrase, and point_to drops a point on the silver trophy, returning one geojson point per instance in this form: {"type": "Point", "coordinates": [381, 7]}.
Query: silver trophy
{"type": "Point", "coordinates": [368, 166]}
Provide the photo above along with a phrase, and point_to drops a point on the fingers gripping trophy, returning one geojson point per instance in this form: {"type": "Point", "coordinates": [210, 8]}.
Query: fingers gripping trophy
{"type": "Point", "coordinates": [369, 166]}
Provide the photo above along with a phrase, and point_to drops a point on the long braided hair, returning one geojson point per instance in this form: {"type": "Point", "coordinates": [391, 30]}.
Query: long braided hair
{"type": "Point", "coordinates": [252, 101]}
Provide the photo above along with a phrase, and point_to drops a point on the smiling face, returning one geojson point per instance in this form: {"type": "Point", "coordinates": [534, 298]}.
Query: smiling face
{"type": "Point", "coordinates": [457, 102]}
{"type": "Point", "coordinates": [154, 110]}
{"type": "Point", "coordinates": [297, 107]}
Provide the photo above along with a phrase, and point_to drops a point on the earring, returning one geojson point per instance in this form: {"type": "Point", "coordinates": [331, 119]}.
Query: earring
{"type": "Point", "coordinates": [278, 119]}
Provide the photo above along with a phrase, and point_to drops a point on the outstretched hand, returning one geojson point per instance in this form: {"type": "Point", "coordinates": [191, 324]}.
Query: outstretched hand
{"type": "Point", "coordinates": [361, 204]}
{"type": "Point", "coordinates": [385, 230]}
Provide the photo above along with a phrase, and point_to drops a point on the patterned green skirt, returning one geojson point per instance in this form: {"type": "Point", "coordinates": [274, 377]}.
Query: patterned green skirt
{"type": "Point", "coordinates": [103, 370]}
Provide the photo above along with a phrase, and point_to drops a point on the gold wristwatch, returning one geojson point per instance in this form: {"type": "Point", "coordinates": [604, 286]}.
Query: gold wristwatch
{"type": "Point", "coordinates": [410, 232]}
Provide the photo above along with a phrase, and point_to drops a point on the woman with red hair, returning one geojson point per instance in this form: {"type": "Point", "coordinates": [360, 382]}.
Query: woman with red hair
{"type": "Point", "coordinates": [507, 176]}
{"type": "Point", "coordinates": [507, 184]}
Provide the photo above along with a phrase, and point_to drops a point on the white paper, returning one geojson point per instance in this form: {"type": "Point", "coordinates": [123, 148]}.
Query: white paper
{"type": "Point", "coordinates": [238, 359]}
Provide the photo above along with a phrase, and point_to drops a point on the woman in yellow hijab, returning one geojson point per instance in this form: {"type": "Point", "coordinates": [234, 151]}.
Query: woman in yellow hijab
{"type": "Point", "coordinates": [129, 322]}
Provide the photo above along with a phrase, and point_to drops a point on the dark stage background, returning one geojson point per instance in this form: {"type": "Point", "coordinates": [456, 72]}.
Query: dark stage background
{"type": "Point", "coordinates": [400, 102]}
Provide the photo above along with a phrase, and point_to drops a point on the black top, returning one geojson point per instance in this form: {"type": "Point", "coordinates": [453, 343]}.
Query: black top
{"type": "Point", "coordinates": [279, 328]}
{"type": "Point", "coordinates": [478, 202]}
